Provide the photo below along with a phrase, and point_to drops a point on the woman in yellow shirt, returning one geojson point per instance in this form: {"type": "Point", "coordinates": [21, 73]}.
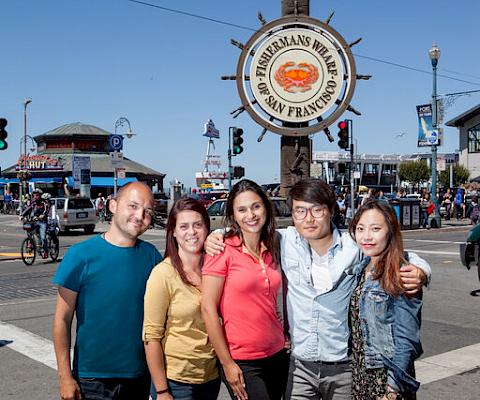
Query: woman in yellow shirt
{"type": "Point", "coordinates": [180, 358]}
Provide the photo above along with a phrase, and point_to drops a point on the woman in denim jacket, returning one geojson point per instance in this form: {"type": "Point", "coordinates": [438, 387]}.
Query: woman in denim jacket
{"type": "Point", "coordinates": [385, 323]}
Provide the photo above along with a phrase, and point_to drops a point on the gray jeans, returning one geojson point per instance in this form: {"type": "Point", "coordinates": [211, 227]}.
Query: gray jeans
{"type": "Point", "coordinates": [311, 380]}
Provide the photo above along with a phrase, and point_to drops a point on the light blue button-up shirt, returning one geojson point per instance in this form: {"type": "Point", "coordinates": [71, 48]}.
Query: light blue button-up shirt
{"type": "Point", "coordinates": [319, 321]}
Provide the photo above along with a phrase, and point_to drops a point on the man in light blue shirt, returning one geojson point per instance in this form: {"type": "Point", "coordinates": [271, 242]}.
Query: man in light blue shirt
{"type": "Point", "coordinates": [318, 261]}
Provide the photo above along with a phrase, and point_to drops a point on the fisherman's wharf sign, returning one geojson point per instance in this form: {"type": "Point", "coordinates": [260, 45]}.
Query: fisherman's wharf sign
{"type": "Point", "coordinates": [296, 76]}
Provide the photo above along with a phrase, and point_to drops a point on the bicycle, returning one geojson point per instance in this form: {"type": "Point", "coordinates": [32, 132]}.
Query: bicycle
{"type": "Point", "coordinates": [30, 247]}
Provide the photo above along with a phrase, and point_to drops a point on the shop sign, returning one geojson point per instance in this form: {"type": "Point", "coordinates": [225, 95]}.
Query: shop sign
{"type": "Point", "coordinates": [210, 131]}
{"type": "Point", "coordinates": [39, 163]}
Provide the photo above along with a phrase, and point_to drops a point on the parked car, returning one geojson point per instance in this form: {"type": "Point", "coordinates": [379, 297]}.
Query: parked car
{"type": "Point", "coordinates": [283, 215]}
{"type": "Point", "coordinates": [75, 212]}
{"type": "Point", "coordinates": [469, 252]}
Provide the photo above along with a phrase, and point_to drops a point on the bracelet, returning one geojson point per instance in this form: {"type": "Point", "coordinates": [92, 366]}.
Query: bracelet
{"type": "Point", "coordinates": [162, 391]}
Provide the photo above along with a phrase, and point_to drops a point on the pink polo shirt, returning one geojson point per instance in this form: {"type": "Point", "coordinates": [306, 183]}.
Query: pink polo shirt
{"type": "Point", "coordinates": [248, 302]}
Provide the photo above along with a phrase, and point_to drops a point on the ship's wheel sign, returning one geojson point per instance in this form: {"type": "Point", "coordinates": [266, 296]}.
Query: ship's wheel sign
{"type": "Point", "coordinates": [296, 71]}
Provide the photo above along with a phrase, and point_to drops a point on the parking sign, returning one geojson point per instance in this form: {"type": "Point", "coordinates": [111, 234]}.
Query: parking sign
{"type": "Point", "coordinates": [115, 142]}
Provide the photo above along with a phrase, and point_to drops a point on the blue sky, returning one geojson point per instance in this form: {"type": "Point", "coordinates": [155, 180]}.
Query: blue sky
{"type": "Point", "coordinates": [93, 61]}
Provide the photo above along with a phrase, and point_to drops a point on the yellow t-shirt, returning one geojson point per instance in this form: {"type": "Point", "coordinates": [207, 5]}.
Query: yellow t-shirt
{"type": "Point", "coordinates": [173, 316]}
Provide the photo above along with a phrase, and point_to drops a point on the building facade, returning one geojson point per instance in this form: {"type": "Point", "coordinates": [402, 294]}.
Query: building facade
{"type": "Point", "coordinates": [468, 125]}
{"type": "Point", "coordinates": [50, 168]}
{"type": "Point", "coordinates": [373, 170]}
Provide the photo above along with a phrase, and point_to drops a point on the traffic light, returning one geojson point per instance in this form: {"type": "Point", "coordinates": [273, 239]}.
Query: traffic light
{"type": "Point", "coordinates": [343, 135]}
{"type": "Point", "coordinates": [3, 134]}
{"type": "Point", "coordinates": [237, 141]}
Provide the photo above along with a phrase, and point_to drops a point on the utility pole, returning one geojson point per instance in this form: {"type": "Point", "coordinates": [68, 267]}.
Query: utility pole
{"type": "Point", "coordinates": [352, 168]}
{"type": "Point", "coordinates": [295, 152]}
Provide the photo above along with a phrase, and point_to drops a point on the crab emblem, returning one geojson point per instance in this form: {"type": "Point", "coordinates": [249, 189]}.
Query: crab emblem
{"type": "Point", "coordinates": [296, 79]}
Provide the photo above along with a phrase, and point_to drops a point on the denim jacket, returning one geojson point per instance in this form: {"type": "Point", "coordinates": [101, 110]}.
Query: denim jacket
{"type": "Point", "coordinates": [391, 330]}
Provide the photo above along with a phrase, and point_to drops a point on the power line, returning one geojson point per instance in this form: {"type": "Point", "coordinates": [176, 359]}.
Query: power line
{"type": "Point", "coordinates": [413, 69]}
{"type": "Point", "coordinates": [460, 73]}
{"type": "Point", "coordinates": [218, 21]}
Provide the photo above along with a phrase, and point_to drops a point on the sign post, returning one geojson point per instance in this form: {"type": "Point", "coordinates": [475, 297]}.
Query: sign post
{"type": "Point", "coordinates": [116, 161]}
{"type": "Point", "coordinates": [81, 172]}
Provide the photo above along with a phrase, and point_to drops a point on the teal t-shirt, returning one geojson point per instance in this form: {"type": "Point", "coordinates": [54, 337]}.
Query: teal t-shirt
{"type": "Point", "coordinates": [110, 282]}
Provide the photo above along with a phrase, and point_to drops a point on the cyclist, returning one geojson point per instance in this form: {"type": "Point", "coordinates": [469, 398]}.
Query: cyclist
{"type": "Point", "coordinates": [52, 217]}
{"type": "Point", "coordinates": [38, 212]}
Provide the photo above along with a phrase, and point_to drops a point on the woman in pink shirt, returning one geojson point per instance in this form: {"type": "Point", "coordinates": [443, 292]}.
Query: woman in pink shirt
{"type": "Point", "coordinates": [244, 283]}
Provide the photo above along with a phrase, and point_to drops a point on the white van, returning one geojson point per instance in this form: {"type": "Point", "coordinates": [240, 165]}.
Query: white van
{"type": "Point", "coordinates": [75, 212]}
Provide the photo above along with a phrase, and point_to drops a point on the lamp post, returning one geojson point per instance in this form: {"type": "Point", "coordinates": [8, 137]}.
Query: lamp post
{"type": "Point", "coordinates": [434, 54]}
{"type": "Point", "coordinates": [120, 122]}
{"type": "Point", "coordinates": [26, 102]}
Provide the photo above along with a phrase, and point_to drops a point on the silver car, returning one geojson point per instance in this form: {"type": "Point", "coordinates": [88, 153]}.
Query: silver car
{"type": "Point", "coordinates": [283, 215]}
{"type": "Point", "coordinates": [75, 212]}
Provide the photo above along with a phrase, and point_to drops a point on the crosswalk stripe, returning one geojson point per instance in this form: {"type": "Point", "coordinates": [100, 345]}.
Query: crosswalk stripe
{"type": "Point", "coordinates": [29, 344]}
{"type": "Point", "coordinates": [447, 364]}
{"type": "Point", "coordinates": [428, 369]}
{"type": "Point", "coordinates": [446, 253]}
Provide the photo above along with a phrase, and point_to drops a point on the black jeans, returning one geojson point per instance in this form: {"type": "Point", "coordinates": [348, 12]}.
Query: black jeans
{"type": "Point", "coordinates": [115, 388]}
{"type": "Point", "coordinates": [265, 378]}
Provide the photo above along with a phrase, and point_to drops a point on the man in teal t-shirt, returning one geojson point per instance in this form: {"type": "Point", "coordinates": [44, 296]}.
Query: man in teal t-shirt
{"type": "Point", "coordinates": [102, 280]}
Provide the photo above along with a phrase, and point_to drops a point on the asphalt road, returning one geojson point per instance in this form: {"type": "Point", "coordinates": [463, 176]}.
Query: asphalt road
{"type": "Point", "coordinates": [450, 327]}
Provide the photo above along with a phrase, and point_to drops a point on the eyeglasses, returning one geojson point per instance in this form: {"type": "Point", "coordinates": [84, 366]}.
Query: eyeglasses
{"type": "Point", "coordinates": [300, 213]}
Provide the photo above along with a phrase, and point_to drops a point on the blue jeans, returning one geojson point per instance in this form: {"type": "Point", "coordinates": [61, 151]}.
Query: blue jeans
{"type": "Point", "coordinates": [115, 388]}
{"type": "Point", "coordinates": [42, 230]}
{"type": "Point", "coordinates": [187, 391]}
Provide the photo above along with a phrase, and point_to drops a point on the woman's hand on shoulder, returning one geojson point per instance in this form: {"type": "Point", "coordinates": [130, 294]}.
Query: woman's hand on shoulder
{"type": "Point", "coordinates": [214, 244]}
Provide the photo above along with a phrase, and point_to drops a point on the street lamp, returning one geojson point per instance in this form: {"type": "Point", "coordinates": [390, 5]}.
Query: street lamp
{"type": "Point", "coordinates": [120, 122]}
{"type": "Point", "coordinates": [26, 102]}
{"type": "Point", "coordinates": [434, 54]}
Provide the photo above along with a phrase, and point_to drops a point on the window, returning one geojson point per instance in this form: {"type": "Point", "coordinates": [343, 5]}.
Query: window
{"type": "Point", "coordinates": [216, 209]}
{"type": "Point", "coordinates": [371, 169]}
{"type": "Point", "coordinates": [389, 169]}
{"type": "Point", "coordinates": [79, 204]}
{"type": "Point", "coordinates": [474, 139]}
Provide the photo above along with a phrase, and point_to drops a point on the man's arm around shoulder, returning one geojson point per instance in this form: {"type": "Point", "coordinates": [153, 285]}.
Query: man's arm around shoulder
{"type": "Point", "coordinates": [62, 327]}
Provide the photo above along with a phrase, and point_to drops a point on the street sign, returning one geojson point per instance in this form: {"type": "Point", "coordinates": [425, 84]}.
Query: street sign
{"type": "Point", "coordinates": [121, 173]}
{"type": "Point", "coordinates": [81, 168]}
{"type": "Point", "coordinates": [116, 159]}
{"type": "Point", "coordinates": [115, 142]}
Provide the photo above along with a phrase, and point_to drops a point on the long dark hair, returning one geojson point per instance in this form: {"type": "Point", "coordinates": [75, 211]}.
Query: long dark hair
{"type": "Point", "coordinates": [267, 235]}
{"type": "Point", "coordinates": [387, 269]}
{"type": "Point", "coordinates": [171, 250]}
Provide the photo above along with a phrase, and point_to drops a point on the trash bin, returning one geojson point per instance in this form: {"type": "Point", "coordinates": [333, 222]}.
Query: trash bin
{"type": "Point", "coordinates": [415, 204]}
{"type": "Point", "coordinates": [395, 204]}
{"type": "Point", "coordinates": [405, 214]}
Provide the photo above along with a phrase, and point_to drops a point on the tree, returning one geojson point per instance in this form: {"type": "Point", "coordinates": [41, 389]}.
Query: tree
{"type": "Point", "coordinates": [460, 175]}
{"type": "Point", "coordinates": [414, 172]}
